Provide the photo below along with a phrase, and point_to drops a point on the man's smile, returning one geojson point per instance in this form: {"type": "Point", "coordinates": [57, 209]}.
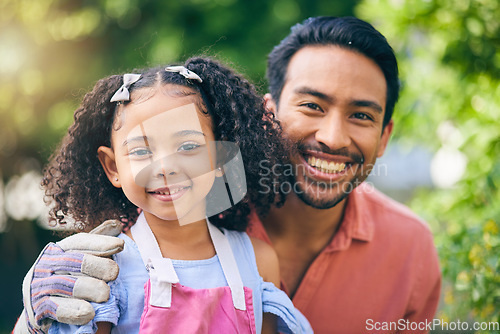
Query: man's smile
{"type": "Point", "coordinates": [327, 166]}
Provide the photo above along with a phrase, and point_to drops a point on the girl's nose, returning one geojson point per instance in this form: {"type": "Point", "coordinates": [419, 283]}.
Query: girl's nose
{"type": "Point", "coordinates": [158, 172]}
{"type": "Point", "coordinates": [165, 167]}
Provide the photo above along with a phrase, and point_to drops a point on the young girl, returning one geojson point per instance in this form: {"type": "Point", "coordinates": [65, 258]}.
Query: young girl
{"type": "Point", "coordinates": [150, 143]}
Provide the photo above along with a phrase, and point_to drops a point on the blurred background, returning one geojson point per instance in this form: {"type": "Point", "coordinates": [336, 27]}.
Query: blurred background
{"type": "Point", "coordinates": [443, 161]}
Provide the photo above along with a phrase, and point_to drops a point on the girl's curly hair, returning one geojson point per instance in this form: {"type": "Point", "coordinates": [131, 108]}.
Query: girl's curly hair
{"type": "Point", "coordinates": [75, 183]}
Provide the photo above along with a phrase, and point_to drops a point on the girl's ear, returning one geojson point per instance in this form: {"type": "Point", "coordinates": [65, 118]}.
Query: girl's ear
{"type": "Point", "coordinates": [107, 159]}
{"type": "Point", "coordinates": [219, 172]}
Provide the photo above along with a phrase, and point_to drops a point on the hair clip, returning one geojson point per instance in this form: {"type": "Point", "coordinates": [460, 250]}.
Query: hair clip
{"type": "Point", "coordinates": [122, 94]}
{"type": "Point", "coordinates": [184, 72]}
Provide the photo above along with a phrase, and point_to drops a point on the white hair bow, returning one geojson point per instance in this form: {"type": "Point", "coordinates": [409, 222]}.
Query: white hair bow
{"type": "Point", "coordinates": [184, 72]}
{"type": "Point", "coordinates": [122, 94]}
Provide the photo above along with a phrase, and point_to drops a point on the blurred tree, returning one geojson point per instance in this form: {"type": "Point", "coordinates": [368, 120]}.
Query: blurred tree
{"type": "Point", "coordinates": [52, 52]}
{"type": "Point", "coordinates": [449, 53]}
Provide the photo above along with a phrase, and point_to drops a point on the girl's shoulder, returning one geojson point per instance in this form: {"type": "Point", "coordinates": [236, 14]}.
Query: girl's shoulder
{"type": "Point", "coordinates": [129, 259]}
{"type": "Point", "coordinates": [257, 253]}
{"type": "Point", "coordinates": [267, 261]}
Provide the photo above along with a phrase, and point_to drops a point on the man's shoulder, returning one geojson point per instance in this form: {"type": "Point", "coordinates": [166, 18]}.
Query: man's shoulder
{"type": "Point", "coordinates": [382, 209]}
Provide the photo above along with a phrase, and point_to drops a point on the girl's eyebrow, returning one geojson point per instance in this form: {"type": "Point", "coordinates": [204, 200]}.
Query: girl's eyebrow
{"type": "Point", "coordinates": [146, 140]}
{"type": "Point", "coordinates": [142, 139]}
{"type": "Point", "coordinates": [185, 133]}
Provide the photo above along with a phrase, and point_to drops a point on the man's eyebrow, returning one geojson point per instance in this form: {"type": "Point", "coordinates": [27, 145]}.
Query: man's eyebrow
{"type": "Point", "coordinates": [368, 104]}
{"type": "Point", "coordinates": [313, 92]}
{"type": "Point", "coordinates": [356, 103]}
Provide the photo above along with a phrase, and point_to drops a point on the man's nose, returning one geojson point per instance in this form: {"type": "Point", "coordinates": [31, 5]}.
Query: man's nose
{"type": "Point", "coordinates": [333, 131]}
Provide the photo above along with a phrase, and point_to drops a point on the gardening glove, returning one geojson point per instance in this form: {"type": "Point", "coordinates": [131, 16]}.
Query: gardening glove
{"type": "Point", "coordinates": [67, 275]}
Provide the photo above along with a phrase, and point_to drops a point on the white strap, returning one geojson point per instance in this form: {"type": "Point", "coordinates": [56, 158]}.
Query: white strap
{"type": "Point", "coordinates": [161, 282]}
{"type": "Point", "coordinates": [162, 272]}
{"type": "Point", "coordinates": [145, 240]}
{"type": "Point", "coordinates": [229, 266]}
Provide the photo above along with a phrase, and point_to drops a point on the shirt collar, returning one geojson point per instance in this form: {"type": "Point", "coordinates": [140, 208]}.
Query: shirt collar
{"type": "Point", "coordinates": [357, 223]}
{"type": "Point", "coordinates": [360, 213]}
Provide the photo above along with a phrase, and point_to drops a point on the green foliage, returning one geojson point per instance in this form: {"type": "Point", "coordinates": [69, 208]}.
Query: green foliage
{"type": "Point", "coordinates": [449, 53]}
{"type": "Point", "coordinates": [52, 51]}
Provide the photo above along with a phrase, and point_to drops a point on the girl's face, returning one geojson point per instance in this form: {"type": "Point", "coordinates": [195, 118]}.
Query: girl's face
{"type": "Point", "coordinates": [162, 154]}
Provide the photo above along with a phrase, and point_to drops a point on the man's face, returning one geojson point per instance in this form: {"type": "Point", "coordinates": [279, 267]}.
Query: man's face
{"type": "Point", "coordinates": [332, 109]}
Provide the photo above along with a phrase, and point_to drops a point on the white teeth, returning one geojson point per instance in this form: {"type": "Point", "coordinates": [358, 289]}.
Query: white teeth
{"type": "Point", "coordinates": [325, 166]}
{"type": "Point", "coordinates": [169, 192]}
{"type": "Point", "coordinates": [175, 191]}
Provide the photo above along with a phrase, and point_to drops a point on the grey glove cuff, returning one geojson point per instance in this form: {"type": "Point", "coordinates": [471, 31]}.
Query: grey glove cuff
{"type": "Point", "coordinates": [21, 325]}
{"type": "Point", "coordinates": [111, 227]}
{"type": "Point", "coordinates": [28, 311]}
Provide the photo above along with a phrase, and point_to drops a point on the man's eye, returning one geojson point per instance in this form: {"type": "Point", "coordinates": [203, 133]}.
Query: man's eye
{"type": "Point", "coordinates": [188, 147]}
{"type": "Point", "coordinates": [362, 116]}
{"type": "Point", "coordinates": [312, 106]}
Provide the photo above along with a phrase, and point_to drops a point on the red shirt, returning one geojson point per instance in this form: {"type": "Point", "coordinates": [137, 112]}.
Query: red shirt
{"type": "Point", "coordinates": [379, 274]}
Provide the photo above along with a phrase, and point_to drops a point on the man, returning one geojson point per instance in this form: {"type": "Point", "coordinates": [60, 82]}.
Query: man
{"type": "Point", "coordinates": [352, 260]}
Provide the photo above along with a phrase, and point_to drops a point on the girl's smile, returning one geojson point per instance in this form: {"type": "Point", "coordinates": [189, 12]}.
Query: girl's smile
{"type": "Point", "coordinates": [168, 194]}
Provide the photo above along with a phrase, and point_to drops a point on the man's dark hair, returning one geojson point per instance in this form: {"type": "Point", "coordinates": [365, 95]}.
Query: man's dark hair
{"type": "Point", "coordinates": [346, 32]}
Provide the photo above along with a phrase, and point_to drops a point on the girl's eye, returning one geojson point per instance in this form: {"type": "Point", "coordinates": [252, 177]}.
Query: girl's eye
{"type": "Point", "coordinates": [187, 147]}
{"type": "Point", "coordinates": [140, 152]}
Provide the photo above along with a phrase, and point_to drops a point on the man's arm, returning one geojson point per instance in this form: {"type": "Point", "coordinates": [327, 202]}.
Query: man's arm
{"type": "Point", "coordinates": [68, 274]}
{"type": "Point", "coordinates": [426, 293]}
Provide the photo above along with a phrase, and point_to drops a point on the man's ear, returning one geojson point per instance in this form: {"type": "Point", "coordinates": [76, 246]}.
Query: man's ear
{"type": "Point", "coordinates": [386, 134]}
{"type": "Point", "coordinates": [270, 104]}
{"type": "Point", "coordinates": [107, 159]}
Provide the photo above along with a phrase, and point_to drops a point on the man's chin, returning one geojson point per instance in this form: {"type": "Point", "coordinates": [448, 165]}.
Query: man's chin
{"type": "Point", "coordinates": [321, 195]}
{"type": "Point", "coordinates": [320, 202]}
{"type": "Point", "coordinates": [324, 194]}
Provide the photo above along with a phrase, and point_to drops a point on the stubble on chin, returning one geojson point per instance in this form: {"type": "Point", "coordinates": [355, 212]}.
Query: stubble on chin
{"type": "Point", "coordinates": [319, 195]}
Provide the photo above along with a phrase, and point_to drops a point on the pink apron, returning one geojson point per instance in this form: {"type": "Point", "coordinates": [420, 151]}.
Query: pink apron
{"type": "Point", "coordinates": [170, 307]}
